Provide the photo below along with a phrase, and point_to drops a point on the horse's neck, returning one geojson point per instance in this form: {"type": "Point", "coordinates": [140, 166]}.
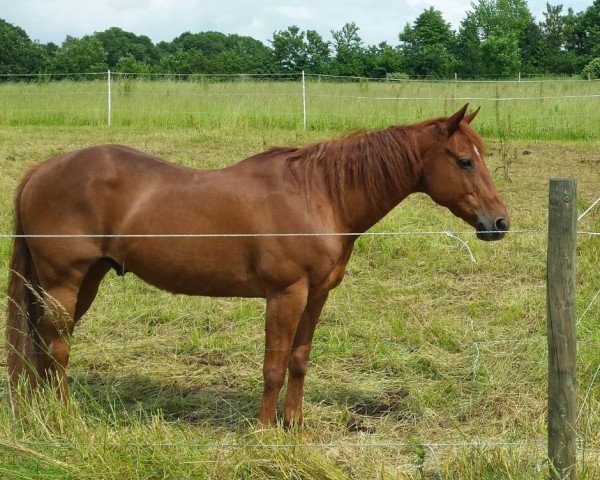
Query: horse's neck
{"type": "Point", "coordinates": [362, 209]}
{"type": "Point", "coordinates": [360, 213]}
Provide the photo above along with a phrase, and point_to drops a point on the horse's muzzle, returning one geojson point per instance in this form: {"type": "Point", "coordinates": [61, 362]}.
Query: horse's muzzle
{"type": "Point", "coordinates": [489, 230]}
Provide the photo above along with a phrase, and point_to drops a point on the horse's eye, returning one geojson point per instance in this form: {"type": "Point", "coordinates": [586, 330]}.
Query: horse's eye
{"type": "Point", "coordinates": [465, 164]}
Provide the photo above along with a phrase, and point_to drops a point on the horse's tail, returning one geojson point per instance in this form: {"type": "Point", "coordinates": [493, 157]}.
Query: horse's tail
{"type": "Point", "coordinates": [24, 305]}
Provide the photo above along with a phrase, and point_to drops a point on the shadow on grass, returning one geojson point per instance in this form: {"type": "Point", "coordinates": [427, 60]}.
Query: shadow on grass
{"type": "Point", "coordinates": [213, 405]}
{"type": "Point", "coordinates": [217, 406]}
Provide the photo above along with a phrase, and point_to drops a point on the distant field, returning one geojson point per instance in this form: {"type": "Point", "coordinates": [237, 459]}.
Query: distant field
{"type": "Point", "coordinates": [425, 365]}
{"type": "Point", "coordinates": [567, 109]}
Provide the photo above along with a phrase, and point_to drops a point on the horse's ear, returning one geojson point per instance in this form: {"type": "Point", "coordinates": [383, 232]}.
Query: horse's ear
{"type": "Point", "coordinates": [451, 124]}
{"type": "Point", "coordinates": [469, 118]}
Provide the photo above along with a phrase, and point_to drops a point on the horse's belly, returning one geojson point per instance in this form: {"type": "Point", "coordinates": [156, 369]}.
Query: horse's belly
{"type": "Point", "coordinates": [209, 282]}
{"type": "Point", "coordinates": [193, 267]}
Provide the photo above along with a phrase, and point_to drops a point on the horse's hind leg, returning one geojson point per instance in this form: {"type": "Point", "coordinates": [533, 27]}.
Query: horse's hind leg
{"type": "Point", "coordinates": [67, 293]}
{"type": "Point", "coordinates": [53, 332]}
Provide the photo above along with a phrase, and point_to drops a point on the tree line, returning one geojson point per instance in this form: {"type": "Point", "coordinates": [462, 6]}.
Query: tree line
{"type": "Point", "coordinates": [497, 38]}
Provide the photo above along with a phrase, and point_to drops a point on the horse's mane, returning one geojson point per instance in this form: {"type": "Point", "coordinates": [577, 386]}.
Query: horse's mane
{"type": "Point", "coordinates": [380, 162]}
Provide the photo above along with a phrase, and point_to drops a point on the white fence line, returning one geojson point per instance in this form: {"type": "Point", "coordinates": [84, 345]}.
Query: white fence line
{"type": "Point", "coordinates": [283, 234]}
{"type": "Point", "coordinates": [269, 234]}
{"type": "Point", "coordinates": [587, 210]}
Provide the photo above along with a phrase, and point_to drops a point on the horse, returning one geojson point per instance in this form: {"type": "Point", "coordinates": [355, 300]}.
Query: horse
{"type": "Point", "coordinates": [279, 225]}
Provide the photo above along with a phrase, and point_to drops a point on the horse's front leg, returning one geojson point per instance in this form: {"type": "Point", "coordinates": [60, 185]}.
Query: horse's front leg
{"type": "Point", "coordinates": [298, 362]}
{"type": "Point", "coordinates": [284, 309]}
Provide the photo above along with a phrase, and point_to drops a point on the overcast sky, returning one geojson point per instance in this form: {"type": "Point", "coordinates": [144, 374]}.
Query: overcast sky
{"type": "Point", "coordinates": [379, 20]}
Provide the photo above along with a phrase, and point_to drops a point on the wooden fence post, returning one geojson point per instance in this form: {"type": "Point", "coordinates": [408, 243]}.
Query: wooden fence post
{"type": "Point", "coordinates": [562, 234]}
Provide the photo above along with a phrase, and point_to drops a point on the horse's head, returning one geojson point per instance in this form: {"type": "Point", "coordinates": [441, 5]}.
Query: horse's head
{"type": "Point", "coordinates": [455, 176]}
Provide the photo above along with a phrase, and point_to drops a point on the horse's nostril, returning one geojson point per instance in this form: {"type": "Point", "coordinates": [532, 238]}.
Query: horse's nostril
{"type": "Point", "coordinates": [501, 225]}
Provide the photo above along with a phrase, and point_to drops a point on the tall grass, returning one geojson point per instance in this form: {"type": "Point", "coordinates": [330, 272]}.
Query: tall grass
{"type": "Point", "coordinates": [168, 386]}
{"type": "Point", "coordinates": [566, 110]}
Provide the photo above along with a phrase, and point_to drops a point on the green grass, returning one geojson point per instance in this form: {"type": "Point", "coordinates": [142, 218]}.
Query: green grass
{"type": "Point", "coordinates": [160, 382]}
{"type": "Point", "coordinates": [565, 110]}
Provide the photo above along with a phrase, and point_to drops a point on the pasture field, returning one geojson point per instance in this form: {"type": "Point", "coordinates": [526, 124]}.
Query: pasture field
{"type": "Point", "coordinates": [425, 364]}
{"type": "Point", "coordinates": [567, 110]}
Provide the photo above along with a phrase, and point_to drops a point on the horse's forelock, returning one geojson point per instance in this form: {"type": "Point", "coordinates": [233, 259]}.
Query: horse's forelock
{"type": "Point", "coordinates": [474, 138]}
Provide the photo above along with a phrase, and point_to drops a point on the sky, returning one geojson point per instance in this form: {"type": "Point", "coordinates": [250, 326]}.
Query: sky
{"type": "Point", "coordinates": [163, 20]}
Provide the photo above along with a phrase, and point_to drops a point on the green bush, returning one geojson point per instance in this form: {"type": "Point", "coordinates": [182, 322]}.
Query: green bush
{"type": "Point", "coordinates": [129, 64]}
{"type": "Point", "coordinates": [592, 69]}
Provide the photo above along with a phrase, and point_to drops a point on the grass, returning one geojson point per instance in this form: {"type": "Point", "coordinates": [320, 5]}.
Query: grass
{"type": "Point", "coordinates": [566, 110]}
{"type": "Point", "coordinates": [168, 386]}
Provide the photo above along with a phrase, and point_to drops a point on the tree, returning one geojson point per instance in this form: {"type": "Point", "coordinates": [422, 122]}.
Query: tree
{"type": "Point", "coordinates": [349, 51]}
{"type": "Point", "coordinates": [502, 18]}
{"type": "Point", "coordinates": [215, 52]}
{"type": "Point", "coordinates": [552, 28]}
{"type": "Point", "coordinates": [558, 52]}
{"type": "Point", "coordinates": [80, 55]}
{"type": "Point", "coordinates": [318, 53]}
{"type": "Point", "coordinates": [18, 54]}
{"type": "Point", "coordinates": [51, 49]}
{"type": "Point", "coordinates": [468, 48]}
{"type": "Point", "coordinates": [428, 45]}
{"type": "Point", "coordinates": [500, 56]}
{"type": "Point", "coordinates": [289, 49]}
{"type": "Point", "coordinates": [383, 59]}
{"type": "Point", "coordinates": [209, 43]}
{"type": "Point", "coordinates": [182, 61]}
{"type": "Point", "coordinates": [501, 26]}
{"type": "Point", "coordinates": [295, 50]}
{"type": "Point", "coordinates": [243, 55]}
{"type": "Point", "coordinates": [531, 46]}
{"type": "Point", "coordinates": [574, 34]}
{"type": "Point", "coordinates": [590, 24]}
{"type": "Point", "coordinates": [119, 44]}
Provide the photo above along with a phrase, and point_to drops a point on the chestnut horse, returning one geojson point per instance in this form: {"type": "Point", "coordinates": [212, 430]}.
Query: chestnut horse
{"type": "Point", "coordinates": [82, 213]}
